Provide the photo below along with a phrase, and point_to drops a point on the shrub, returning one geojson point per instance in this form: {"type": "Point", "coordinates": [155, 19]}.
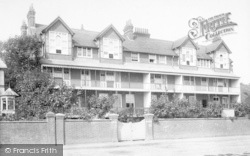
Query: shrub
{"type": "Point", "coordinates": [181, 108]}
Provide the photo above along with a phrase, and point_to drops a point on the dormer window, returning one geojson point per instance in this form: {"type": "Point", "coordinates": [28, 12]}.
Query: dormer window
{"type": "Point", "coordinates": [84, 52]}
{"type": "Point", "coordinates": [152, 58]}
{"type": "Point", "coordinates": [162, 59]}
{"type": "Point", "coordinates": [134, 57]}
{"type": "Point", "coordinates": [112, 48]}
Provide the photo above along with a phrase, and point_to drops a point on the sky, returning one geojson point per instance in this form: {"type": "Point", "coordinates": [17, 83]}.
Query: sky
{"type": "Point", "coordinates": [165, 19]}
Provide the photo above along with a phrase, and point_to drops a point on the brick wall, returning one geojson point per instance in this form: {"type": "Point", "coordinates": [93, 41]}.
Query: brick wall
{"type": "Point", "coordinates": [23, 132]}
{"type": "Point", "coordinates": [193, 128]}
{"type": "Point", "coordinates": [57, 130]}
{"type": "Point", "coordinates": [79, 131]}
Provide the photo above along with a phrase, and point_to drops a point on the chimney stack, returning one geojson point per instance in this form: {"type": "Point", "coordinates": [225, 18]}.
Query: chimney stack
{"type": "Point", "coordinates": [128, 29]}
{"type": "Point", "coordinates": [141, 32]}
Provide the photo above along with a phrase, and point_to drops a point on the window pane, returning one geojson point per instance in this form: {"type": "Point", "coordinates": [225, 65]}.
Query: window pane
{"type": "Point", "coordinates": [57, 72]}
{"type": "Point", "coordinates": [134, 57]}
{"type": "Point", "coordinates": [10, 104]}
{"type": "Point", "coordinates": [4, 103]}
{"type": "Point", "coordinates": [79, 51]}
{"type": "Point", "coordinates": [162, 59]}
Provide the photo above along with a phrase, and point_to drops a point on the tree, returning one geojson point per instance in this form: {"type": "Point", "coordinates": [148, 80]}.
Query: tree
{"type": "Point", "coordinates": [21, 54]}
{"type": "Point", "coordinates": [37, 91]}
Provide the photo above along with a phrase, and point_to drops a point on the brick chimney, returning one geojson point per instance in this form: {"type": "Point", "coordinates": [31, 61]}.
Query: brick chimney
{"type": "Point", "coordinates": [141, 32]}
{"type": "Point", "coordinates": [128, 29]}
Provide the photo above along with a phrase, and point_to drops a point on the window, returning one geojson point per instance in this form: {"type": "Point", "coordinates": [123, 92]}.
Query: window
{"type": "Point", "coordinates": [112, 48]}
{"type": "Point", "coordinates": [58, 51]}
{"type": "Point", "coordinates": [191, 80]}
{"type": "Point", "coordinates": [84, 52]}
{"type": "Point", "coordinates": [152, 58]}
{"type": "Point", "coordinates": [188, 63]}
{"type": "Point", "coordinates": [111, 55]}
{"type": "Point", "coordinates": [216, 99]}
{"type": "Point", "coordinates": [10, 103]}
{"type": "Point", "coordinates": [58, 72]}
{"type": "Point", "coordinates": [89, 52]}
{"type": "Point", "coordinates": [110, 76]}
{"type": "Point", "coordinates": [221, 65]}
{"type": "Point", "coordinates": [102, 76]}
{"type": "Point", "coordinates": [186, 80]}
{"type": "Point", "coordinates": [130, 99]}
{"type": "Point", "coordinates": [134, 57]}
{"type": "Point", "coordinates": [66, 74]}
{"type": "Point", "coordinates": [203, 81]}
{"type": "Point", "coordinates": [4, 104]}
{"type": "Point", "coordinates": [162, 59]}
{"type": "Point", "coordinates": [79, 52]}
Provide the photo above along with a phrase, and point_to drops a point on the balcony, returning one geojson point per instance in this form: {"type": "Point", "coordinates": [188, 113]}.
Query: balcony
{"type": "Point", "coordinates": [192, 88]}
{"type": "Point", "coordinates": [211, 89]}
{"type": "Point", "coordinates": [111, 84]}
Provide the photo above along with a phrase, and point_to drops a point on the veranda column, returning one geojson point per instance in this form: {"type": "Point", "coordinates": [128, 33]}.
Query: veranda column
{"type": "Point", "coordinates": [149, 126]}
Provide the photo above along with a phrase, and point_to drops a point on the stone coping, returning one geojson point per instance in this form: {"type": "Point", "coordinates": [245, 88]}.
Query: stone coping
{"type": "Point", "coordinates": [23, 121]}
{"type": "Point", "coordinates": [174, 119]}
{"type": "Point", "coordinates": [93, 120]}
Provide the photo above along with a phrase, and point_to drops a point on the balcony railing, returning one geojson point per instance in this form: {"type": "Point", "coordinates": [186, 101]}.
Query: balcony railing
{"type": "Point", "coordinates": [108, 84]}
{"type": "Point", "coordinates": [147, 86]}
{"type": "Point", "coordinates": [189, 88]}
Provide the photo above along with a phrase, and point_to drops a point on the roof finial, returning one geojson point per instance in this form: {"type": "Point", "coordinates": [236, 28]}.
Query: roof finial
{"type": "Point", "coordinates": [31, 7]}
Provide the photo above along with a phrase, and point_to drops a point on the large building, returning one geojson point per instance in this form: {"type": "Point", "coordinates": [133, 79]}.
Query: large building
{"type": "Point", "coordinates": [134, 66]}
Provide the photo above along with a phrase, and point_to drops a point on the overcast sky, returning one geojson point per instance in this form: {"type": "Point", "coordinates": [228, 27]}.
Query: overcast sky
{"type": "Point", "coordinates": [165, 19]}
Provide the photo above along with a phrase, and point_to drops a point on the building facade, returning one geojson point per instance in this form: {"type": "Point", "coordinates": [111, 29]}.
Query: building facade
{"type": "Point", "coordinates": [134, 66]}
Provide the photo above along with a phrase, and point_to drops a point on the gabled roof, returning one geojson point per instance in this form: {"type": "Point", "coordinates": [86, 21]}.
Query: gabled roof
{"type": "Point", "coordinates": [149, 45]}
{"type": "Point", "coordinates": [217, 45]}
{"type": "Point", "coordinates": [56, 20]}
{"type": "Point", "coordinates": [84, 38]}
{"type": "Point", "coordinates": [102, 33]}
{"type": "Point", "coordinates": [9, 92]}
{"type": "Point", "coordinates": [180, 42]}
{"type": "Point", "coordinates": [2, 64]}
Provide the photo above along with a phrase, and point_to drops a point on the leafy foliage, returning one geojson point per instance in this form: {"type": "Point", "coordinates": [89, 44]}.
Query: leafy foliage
{"type": "Point", "coordinates": [162, 108]}
{"type": "Point", "coordinates": [97, 108]}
